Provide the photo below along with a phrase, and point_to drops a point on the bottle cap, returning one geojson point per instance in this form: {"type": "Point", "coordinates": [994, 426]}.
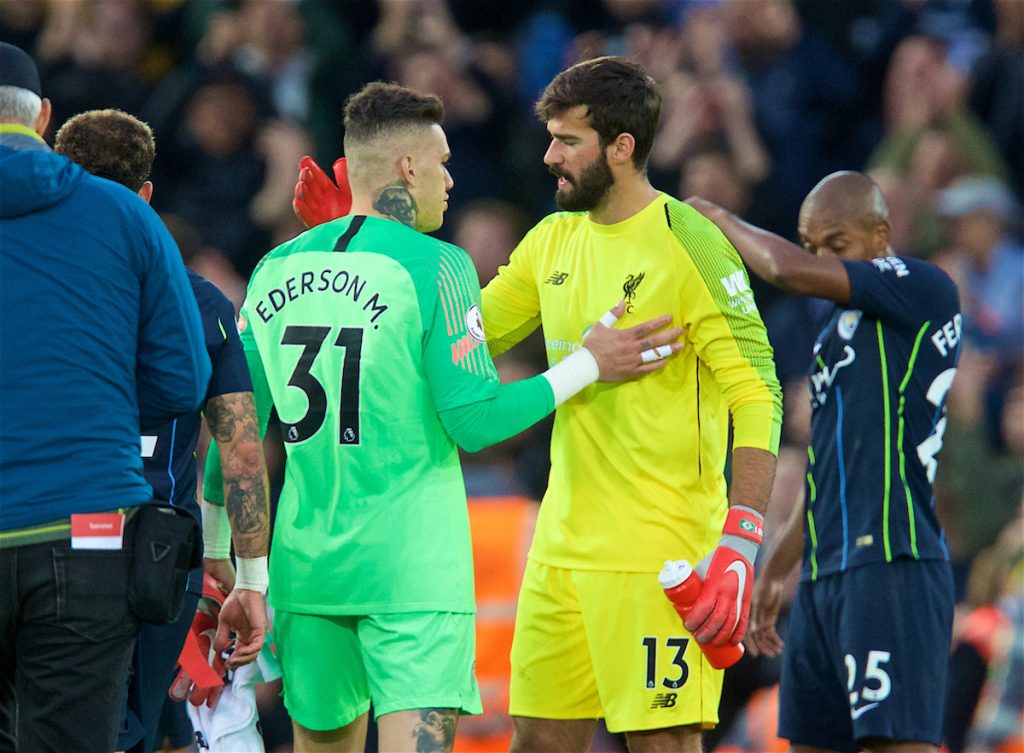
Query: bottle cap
{"type": "Point", "coordinates": [674, 573]}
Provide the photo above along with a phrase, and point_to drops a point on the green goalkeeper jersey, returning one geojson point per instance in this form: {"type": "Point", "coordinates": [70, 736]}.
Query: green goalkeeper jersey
{"type": "Point", "coordinates": [365, 329]}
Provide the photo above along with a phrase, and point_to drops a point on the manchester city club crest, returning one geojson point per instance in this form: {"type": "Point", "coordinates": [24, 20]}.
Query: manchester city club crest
{"type": "Point", "coordinates": [848, 322]}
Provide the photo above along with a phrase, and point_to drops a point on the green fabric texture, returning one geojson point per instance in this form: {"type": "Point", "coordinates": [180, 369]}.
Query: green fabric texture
{"type": "Point", "coordinates": [517, 407]}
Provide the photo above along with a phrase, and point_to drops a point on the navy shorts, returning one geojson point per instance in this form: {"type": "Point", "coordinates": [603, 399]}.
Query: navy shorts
{"type": "Point", "coordinates": [866, 656]}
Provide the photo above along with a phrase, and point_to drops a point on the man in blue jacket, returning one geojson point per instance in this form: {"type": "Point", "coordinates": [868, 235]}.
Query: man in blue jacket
{"type": "Point", "coordinates": [98, 328]}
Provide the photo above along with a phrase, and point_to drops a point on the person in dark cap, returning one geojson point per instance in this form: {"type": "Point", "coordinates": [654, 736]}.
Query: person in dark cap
{"type": "Point", "coordinates": [99, 329]}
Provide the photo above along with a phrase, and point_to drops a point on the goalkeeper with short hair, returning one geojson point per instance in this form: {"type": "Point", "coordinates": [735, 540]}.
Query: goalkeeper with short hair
{"type": "Point", "coordinates": [637, 472]}
{"type": "Point", "coordinates": [366, 335]}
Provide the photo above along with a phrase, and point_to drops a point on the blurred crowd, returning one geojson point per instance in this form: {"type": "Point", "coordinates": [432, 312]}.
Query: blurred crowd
{"type": "Point", "coordinates": [762, 99]}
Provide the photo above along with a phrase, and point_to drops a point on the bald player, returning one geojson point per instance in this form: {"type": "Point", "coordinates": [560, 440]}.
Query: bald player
{"type": "Point", "coordinates": [865, 660]}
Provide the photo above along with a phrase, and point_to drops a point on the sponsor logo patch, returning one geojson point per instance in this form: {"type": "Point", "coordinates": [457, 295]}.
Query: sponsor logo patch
{"type": "Point", "coordinates": [475, 324]}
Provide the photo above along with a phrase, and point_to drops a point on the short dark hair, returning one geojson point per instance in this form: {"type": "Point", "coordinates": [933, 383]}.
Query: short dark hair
{"type": "Point", "coordinates": [619, 96]}
{"type": "Point", "coordinates": [379, 107]}
{"type": "Point", "coordinates": [111, 144]}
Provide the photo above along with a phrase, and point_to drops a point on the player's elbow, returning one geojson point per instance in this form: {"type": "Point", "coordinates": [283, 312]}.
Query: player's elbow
{"type": "Point", "coordinates": [470, 444]}
{"type": "Point", "coordinates": [782, 273]}
{"type": "Point", "coordinates": [243, 459]}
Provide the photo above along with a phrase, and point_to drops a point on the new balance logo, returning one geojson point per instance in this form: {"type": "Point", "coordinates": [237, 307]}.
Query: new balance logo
{"type": "Point", "coordinates": [664, 701]}
{"type": "Point", "coordinates": [557, 278]}
{"type": "Point", "coordinates": [735, 284]}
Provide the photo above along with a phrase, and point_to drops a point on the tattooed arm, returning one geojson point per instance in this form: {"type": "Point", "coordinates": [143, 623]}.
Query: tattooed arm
{"type": "Point", "coordinates": [232, 421]}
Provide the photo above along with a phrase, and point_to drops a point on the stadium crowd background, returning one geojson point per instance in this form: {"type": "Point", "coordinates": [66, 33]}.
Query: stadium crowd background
{"type": "Point", "coordinates": [762, 99]}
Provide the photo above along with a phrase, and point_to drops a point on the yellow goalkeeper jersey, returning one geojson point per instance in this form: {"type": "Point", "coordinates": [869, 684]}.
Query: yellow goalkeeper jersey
{"type": "Point", "coordinates": [637, 468]}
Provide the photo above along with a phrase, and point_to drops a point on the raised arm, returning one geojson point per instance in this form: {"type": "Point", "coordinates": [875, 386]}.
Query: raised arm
{"type": "Point", "coordinates": [778, 261]}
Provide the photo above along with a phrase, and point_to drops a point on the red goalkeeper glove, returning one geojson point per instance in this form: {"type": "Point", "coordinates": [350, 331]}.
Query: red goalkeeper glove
{"type": "Point", "coordinates": [720, 614]}
{"type": "Point", "coordinates": [201, 670]}
{"type": "Point", "coordinates": [317, 199]}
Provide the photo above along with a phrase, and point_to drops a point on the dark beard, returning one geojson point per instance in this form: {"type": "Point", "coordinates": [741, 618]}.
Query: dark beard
{"type": "Point", "coordinates": [589, 192]}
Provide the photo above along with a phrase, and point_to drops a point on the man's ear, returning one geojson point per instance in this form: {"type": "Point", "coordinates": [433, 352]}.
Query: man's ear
{"type": "Point", "coordinates": [146, 192]}
{"type": "Point", "coordinates": [407, 170]}
{"type": "Point", "coordinates": [44, 117]}
{"type": "Point", "coordinates": [620, 151]}
{"type": "Point", "coordinates": [882, 233]}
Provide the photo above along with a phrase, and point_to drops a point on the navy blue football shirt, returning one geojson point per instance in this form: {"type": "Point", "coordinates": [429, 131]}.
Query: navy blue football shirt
{"type": "Point", "coordinates": [169, 449]}
{"type": "Point", "coordinates": [882, 368]}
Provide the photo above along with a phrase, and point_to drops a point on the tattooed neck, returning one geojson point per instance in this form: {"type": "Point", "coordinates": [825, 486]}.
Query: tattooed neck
{"type": "Point", "coordinates": [397, 203]}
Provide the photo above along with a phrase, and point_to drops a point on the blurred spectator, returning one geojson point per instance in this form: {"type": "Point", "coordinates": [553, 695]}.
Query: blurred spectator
{"type": "Point", "coordinates": [922, 91]}
{"type": "Point", "coordinates": [865, 33]}
{"type": "Point", "coordinates": [298, 52]}
{"type": "Point", "coordinates": [473, 117]}
{"type": "Point", "coordinates": [993, 598]}
{"type": "Point", "coordinates": [931, 137]}
{"type": "Point", "coordinates": [21, 21]}
{"type": "Point", "coordinates": [964, 27]}
{"type": "Point", "coordinates": [91, 55]}
{"type": "Point", "coordinates": [216, 171]}
{"type": "Point", "coordinates": [806, 103]}
{"type": "Point", "coordinates": [997, 94]}
{"type": "Point", "coordinates": [541, 47]}
{"type": "Point", "coordinates": [280, 146]}
{"type": "Point", "coordinates": [265, 40]}
{"type": "Point", "coordinates": [977, 488]}
{"type": "Point", "coordinates": [488, 230]}
{"type": "Point", "coordinates": [987, 263]}
{"type": "Point", "coordinates": [713, 111]}
{"type": "Point", "coordinates": [1011, 419]}
{"type": "Point", "coordinates": [207, 261]}
{"type": "Point", "coordinates": [998, 723]}
{"type": "Point", "coordinates": [417, 43]}
{"type": "Point", "coordinates": [712, 175]}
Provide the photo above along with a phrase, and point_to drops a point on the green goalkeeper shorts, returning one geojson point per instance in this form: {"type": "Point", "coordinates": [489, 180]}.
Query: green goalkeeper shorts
{"type": "Point", "coordinates": [333, 666]}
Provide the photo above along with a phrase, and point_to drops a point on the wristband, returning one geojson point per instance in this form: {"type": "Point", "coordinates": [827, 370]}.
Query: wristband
{"type": "Point", "coordinates": [252, 574]}
{"type": "Point", "coordinates": [745, 522]}
{"type": "Point", "coordinates": [216, 531]}
{"type": "Point", "coordinates": [572, 374]}
{"type": "Point", "coordinates": [743, 531]}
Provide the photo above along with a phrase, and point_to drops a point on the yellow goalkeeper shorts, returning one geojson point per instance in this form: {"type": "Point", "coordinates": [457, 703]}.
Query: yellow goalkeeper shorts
{"type": "Point", "coordinates": [592, 644]}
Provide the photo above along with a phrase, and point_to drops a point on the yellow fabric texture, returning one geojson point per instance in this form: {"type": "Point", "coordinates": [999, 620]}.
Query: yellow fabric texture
{"type": "Point", "coordinates": [600, 644]}
{"type": "Point", "coordinates": [637, 468]}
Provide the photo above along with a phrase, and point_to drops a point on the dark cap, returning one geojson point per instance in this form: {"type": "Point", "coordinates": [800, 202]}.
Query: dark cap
{"type": "Point", "coordinates": [17, 68]}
